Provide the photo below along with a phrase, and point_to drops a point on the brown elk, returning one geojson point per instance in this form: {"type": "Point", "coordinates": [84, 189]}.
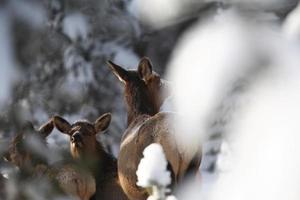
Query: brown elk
{"type": "Point", "coordinates": [18, 153]}
{"type": "Point", "coordinates": [144, 94]}
{"type": "Point", "coordinates": [71, 180]}
{"type": "Point", "coordinates": [85, 147]}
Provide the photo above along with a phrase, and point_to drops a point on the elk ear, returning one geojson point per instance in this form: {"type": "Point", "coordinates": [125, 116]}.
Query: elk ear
{"type": "Point", "coordinates": [46, 128]}
{"type": "Point", "coordinates": [120, 72]}
{"type": "Point", "coordinates": [102, 122]}
{"type": "Point", "coordinates": [145, 68]}
{"type": "Point", "coordinates": [61, 124]}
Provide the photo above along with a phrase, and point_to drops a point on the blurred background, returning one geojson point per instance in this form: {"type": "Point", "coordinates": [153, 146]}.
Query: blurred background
{"type": "Point", "coordinates": [53, 60]}
{"type": "Point", "coordinates": [54, 53]}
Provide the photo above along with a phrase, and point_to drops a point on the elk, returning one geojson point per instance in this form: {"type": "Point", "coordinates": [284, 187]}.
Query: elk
{"type": "Point", "coordinates": [85, 147]}
{"type": "Point", "coordinates": [70, 179]}
{"type": "Point", "coordinates": [144, 94]}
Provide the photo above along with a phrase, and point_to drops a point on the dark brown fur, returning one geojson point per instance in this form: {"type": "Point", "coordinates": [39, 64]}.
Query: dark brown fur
{"type": "Point", "coordinates": [86, 148]}
{"type": "Point", "coordinates": [144, 96]}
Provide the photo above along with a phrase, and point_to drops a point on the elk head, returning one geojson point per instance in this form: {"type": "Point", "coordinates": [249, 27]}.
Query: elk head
{"type": "Point", "coordinates": [18, 152]}
{"type": "Point", "coordinates": [145, 91]}
{"type": "Point", "coordinates": [83, 143]}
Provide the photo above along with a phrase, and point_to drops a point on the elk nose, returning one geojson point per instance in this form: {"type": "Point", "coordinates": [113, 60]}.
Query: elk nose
{"type": "Point", "coordinates": [76, 137]}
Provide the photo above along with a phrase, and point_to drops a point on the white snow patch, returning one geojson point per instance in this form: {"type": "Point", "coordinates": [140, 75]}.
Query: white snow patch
{"type": "Point", "coordinates": [171, 197]}
{"type": "Point", "coordinates": [80, 72]}
{"type": "Point", "coordinates": [224, 160]}
{"type": "Point", "coordinates": [121, 54]}
{"type": "Point", "coordinates": [266, 140]}
{"type": "Point", "coordinates": [76, 26]}
{"type": "Point", "coordinates": [156, 12]}
{"type": "Point", "coordinates": [151, 173]}
{"type": "Point", "coordinates": [203, 66]}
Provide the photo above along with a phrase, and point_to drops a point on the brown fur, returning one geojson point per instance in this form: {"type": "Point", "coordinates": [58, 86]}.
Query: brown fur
{"type": "Point", "coordinates": [70, 179]}
{"type": "Point", "coordinates": [75, 182]}
{"type": "Point", "coordinates": [17, 152]}
{"type": "Point", "coordinates": [143, 96]}
{"type": "Point", "coordinates": [87, 149]}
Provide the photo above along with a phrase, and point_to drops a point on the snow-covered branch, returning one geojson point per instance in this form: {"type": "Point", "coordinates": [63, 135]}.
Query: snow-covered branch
{"type": "Point", "coordinates": [152, 173]}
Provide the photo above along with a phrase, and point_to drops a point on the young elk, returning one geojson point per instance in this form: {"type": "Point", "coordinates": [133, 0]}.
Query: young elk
{"type": "Point", "coordinates": [70, 179]}
{"type": "Point", "coordinates": [145, 125]}
{"type": "Point", "coordinates": [86, 148]}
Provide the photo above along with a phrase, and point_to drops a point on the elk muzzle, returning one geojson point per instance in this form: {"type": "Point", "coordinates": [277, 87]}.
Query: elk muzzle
{"type": "Point", "coordinates": [76, 139]}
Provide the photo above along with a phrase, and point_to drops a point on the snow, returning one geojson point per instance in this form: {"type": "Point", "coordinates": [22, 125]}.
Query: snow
{"type": "Point", "coordinates": [76, 26]}
{"type": "Point", "coordinates": [291, 25]}
{"type": "Point", "coordinates": [171, 197]}
{"type": "Point", "coordinates": [57, 140]}
{"type": "Point", "coordinates": [167, 105]}
{"type": "Point", "coordinates": [38, 148]}
{"type": "Point", "coordinates": [80, 72]}
{"type": "Point", "coordinates": [205, 55]}
{"type": "Point", "coordinates": [261, 114]}
{"type": "Point", "coordinates": [199, 188]}
{"type": "Point", "coordinates": [122, 55]}
{"type": "Point", "coordinates": [267, 139]}
{"type": "Point", "coordinates": [159, 14]}
{"type": "Point", "coordinates": [210, 151]}
{"type": "Point", "coordinates": [8, 72]}
{"type": "Point", "coordinates": [151, 173]}
{"type": "Point", "coordinates": [33, 13]}
{"type": "Point", "coordinates": [224, 161]}
{"type": "Point", "coordinates": [167, 198]}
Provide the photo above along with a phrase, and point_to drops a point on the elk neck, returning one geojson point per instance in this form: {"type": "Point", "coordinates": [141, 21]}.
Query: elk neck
{"type": "Point", "coordinates": [138, 102]}
{"type": "Point", "coordinates": [106, 164]}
